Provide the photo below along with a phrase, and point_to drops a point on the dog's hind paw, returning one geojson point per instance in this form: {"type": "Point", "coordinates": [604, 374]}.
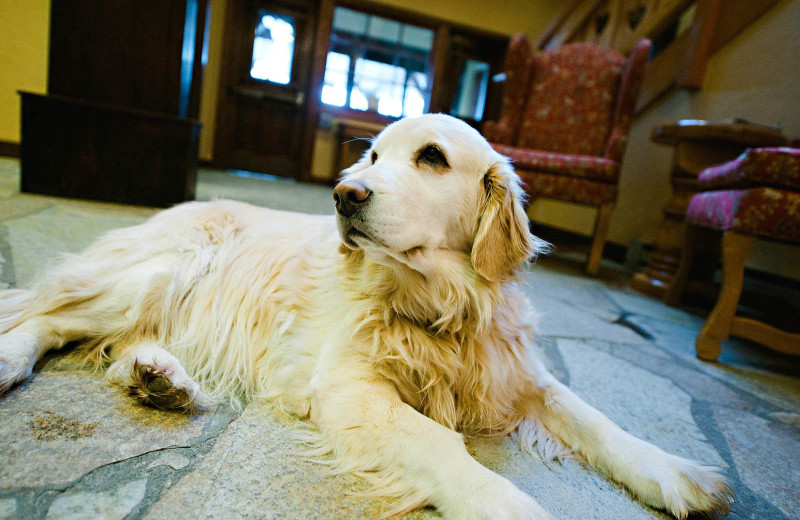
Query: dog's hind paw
{"type": "Point", "coordinates": [156, 378]}
{"type": "Point", "coordinates": [156, 386]}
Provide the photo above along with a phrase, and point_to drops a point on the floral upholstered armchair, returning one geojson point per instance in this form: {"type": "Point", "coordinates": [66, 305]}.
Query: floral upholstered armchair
{"type": "Point", "coordinates": [566, 117]}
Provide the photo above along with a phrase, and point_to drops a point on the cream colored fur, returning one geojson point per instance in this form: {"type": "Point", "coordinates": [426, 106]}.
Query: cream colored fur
{"type": "Point", "coordinates": [392, 336]}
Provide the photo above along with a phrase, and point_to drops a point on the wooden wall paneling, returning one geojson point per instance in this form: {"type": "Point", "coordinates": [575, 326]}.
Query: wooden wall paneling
{"type": "Point", "coordinates": [98, 151]}
{"type": "Point", "coordinates": [698, 48]}
{"type": "Point", "coordinates": [322, 40]}
{"type": "Point", "coordinates": [440, 58]}
{"type": "Point", "coordinates": [660, 72]}
{"type": "Point", "coordinates": [557, 24]}
{"type": "Point", "coordinates": [231, 47]}
{"type": "Point", "coordinates": [737, 15]}
{"type": "Point", "coordinates": [681, 60]}
{"type": "Point", "coordinates": [200, 56]}
{"type": "Point", "coordinates": [635, 18]}
{"type": "Point", "coordinates": [125, 52]}
{"type": "Point", "coordinates": [572, 23]}
{"type": "Point", "coordinates": [122, 77]}
{"type": "Point", "coordinates": [657, 17]}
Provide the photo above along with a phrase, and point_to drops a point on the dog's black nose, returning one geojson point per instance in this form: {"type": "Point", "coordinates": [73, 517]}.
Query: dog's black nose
{"type": "Point", "coordinates": [350, 196]}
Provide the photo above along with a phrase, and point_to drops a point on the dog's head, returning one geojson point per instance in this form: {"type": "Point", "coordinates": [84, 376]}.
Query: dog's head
{"type": "Point", "coordinates": [431, 188]}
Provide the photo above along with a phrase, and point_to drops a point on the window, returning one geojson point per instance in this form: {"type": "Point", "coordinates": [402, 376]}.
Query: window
{"type": "Point", "coordinates": [470, 98]}
{"type": "Point", "coordinates": [273, 48]}
{"type": "Point", "coordinates": [378, 64]}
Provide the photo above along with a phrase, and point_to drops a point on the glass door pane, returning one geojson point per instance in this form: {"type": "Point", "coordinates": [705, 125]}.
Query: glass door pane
{"type": "Point", "coordinates": [273, 47]}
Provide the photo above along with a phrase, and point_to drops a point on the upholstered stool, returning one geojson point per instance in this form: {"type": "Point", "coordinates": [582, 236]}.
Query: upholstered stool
{"type": "Point", "coordinates": [755, 195]}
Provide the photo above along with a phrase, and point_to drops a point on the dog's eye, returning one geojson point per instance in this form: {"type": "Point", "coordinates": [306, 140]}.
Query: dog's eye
{"type": "Point", "coordinates": [374, 157]}
{"type": "Point", "coordinates": [433, 156]}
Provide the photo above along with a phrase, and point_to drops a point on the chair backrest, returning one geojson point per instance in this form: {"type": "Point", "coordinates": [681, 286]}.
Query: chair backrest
{"type": "Point", "coordinates": [578, 98]}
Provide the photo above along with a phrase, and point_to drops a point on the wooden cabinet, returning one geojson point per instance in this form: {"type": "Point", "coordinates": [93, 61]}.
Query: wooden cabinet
{"type": "Point", "coordinates": [119, 120]}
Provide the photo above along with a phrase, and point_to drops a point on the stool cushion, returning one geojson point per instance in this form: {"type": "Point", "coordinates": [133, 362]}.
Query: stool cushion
{"type": "Point", "coordinates": [570, 189]}
{"type": "Point", "coordinates": [778, 167]}
{"type": "Point", "coordinates": [766, 212]}
{"type": "Point", "coordinates": [588, 166]}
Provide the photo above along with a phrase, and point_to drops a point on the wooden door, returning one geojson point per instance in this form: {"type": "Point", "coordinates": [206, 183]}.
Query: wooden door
{"type": "Point", "coordinates": [262, 123]}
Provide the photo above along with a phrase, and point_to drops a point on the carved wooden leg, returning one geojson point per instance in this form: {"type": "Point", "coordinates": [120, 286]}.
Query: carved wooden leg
{"type": "Point", "coordinates": [681, 278]}
{"type": "Point", "coordinates": [600, 233]}
{"type": "Point", "coordinates": [717, 327]}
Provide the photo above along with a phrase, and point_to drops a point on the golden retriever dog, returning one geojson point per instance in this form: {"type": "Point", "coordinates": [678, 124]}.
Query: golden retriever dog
{"type": "Point", "coordinates": [393, 328]}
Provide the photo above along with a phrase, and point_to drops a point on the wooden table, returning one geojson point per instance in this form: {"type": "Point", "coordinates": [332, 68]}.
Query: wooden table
{"type": "Point", "coordinates": [352, 138]}
{"type": "Point", "coordinates": [698, 144]}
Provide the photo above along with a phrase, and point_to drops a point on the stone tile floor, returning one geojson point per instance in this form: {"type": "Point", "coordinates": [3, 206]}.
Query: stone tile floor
{"type": "Point", "coordinates": [72, 447]}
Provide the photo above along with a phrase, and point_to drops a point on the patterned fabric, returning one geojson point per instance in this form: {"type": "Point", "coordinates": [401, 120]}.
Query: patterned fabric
{"type": "Point", "coordinates": [570, 189]}
{"type": "Point", "coordinates": [755, 167]}
{"type": "Point", "coordinates": [767, 212]}
{"type": "Point", "coordinates": [587, 166]}
{"type": "Point", "coordinates": [562, 111]}
{"type": "Point", "coordinates": [631, 83]}
{"type": "Point", "coordinates": [498, 132]}
{"type": "Point", "coordinates": [570, 105]}
{"type": "Point", "coordinates": [518, 68]}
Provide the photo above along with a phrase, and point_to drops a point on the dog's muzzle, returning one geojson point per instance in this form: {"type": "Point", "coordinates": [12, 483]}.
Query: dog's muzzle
{"type": "Point", "coordinates": [351, 197]}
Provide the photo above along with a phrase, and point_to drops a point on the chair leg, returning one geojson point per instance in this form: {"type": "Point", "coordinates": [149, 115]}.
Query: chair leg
{"type": "Point", "coordinates": [600, 232]}
{"type": "Point", "coordinates": [717, 327]}
{"type": "Point", "coordinates": [681, 278]}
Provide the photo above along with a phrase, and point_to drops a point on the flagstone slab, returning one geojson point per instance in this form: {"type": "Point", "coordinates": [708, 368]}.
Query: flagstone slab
{"type": "Point", "coordinates": [644, 404]}
{"type": "Point", "coordinates": [8, 508]}
{"type": "Point", "coordinates": [743, 365]}
{"type": "Point", "coordinates": [256, 470]}
{"type": "Point", "coordinates": [58, 426]}
{"type": "Point", "coordinates": [563, 320]}
{"type": "Point", "coordinates": [569, 490]}
{"type": "Point", "coordinates": [110, 505]}
{"type": "Point", "coordinates": [37, 239]}
{"type": "Point", "coordinates": [585, 294]}
{"type": "Point", "coordinates": [766, 456]}
{"type": "Point", "coordinates": [634, 303]}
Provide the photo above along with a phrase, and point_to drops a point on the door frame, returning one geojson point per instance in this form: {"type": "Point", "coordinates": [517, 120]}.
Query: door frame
{"type": "Point", "coordinates": [237, 42]}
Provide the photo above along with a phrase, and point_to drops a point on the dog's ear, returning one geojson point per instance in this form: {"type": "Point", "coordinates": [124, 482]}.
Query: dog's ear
{"type": "Point", "coordinates": [502, 239]}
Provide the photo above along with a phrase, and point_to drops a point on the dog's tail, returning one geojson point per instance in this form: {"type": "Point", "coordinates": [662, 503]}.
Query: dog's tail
{"type": "Point", "coordinates": [13, 302]}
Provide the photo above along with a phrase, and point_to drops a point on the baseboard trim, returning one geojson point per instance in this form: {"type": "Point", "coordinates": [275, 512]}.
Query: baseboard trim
{"type": "Point", "coordinates": [618, 253]}
{"type": "Point", "coordinates": [570, 239]}
{"type": "Point", "coordinates": [772, 279]}
{"type": "Point", "coordinates": [9, 149]}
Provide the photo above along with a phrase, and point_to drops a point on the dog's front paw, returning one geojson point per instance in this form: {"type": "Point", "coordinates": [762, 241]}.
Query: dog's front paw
{"type": "Point", "coordinates": [688, 487]}
{"type": "Point", "coordinates": [495, 498]}
{"type": "Point", "coordinates": [17, 357]}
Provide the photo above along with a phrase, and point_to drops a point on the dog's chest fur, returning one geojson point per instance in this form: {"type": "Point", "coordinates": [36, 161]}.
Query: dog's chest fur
{"type": "Point", "coordinates": [455, 351]}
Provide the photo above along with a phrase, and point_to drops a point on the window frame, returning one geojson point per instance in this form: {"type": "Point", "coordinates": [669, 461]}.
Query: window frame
{"type": "Point", "coordinates": [446, 35]}
{"type": "Point", "coordinates": [364, 45]}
